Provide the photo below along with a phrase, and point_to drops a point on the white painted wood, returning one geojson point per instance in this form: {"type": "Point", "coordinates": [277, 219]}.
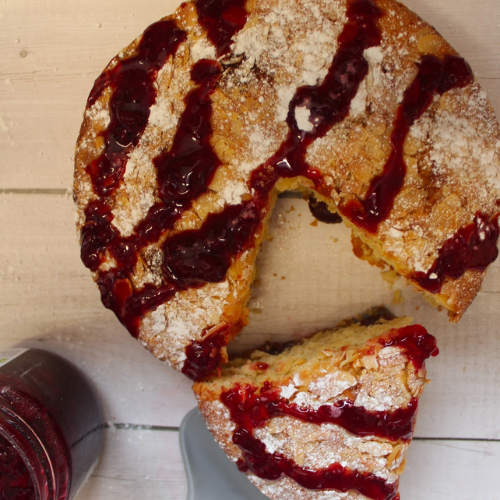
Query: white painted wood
{"type": "Point", "coordinates": [138, 464]}
{"type": "Point", "coordinates": [51, 52]}
{"type": "Point", "coordinates": [451, 470]}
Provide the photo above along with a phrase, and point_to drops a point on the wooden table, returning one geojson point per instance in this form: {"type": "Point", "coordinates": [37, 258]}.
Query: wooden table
{"type": "Point", "coordinates": [50, 53]}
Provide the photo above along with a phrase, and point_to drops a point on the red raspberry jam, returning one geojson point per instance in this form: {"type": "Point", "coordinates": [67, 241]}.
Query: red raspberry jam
{"type": "Point", "coordinates": [51, 427]}
{"type": "Point", "coordinates": [15, 479]}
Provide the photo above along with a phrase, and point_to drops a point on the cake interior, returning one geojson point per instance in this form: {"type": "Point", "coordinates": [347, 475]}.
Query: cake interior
{"type": "Point", "coordinates": [331, 350]}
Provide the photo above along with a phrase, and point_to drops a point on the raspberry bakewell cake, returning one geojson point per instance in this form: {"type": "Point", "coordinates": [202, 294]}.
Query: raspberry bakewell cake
{"type": "Point", "coordinates": [192, 130]}
{"type": "Point", "coordinates": [329, 418]}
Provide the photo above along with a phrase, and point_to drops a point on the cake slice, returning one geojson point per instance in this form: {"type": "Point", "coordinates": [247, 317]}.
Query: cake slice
{"type": "Point", "coordinates": [330, 417]}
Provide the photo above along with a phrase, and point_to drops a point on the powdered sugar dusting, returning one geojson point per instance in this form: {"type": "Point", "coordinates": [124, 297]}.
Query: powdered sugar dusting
{"type": "Point", "coordinates": [374, 393]}
{"type": "Point", "coordinates": [261, 147]}
{"type": "Point", "coordinates": [202, 49]}
{"type": "Point", "coordinates": [331, 385]}
{"type": "Point", "coordinates": [302, 117]}
{"type": "Point", "coordinates": [232, 193]}
{"type": "Point", "coordinates": [294, 43]}
{"type": "Point", "coordinates": [161, 115]}
{"type": "Point", "coordinates": [326, 445]}
{"type": "Point", "coordinates": [374, 56]}
{"type": "Point", "coordinates": [99, 114]}
{"type": "Point", "coordinates": [139, 194]}
{"type": "Point", "coordinates": [409, 242]}
{"type": "Point", "coordinates": [182, 320]}
{"type": "Point", "coordinates": [358, 104]}
{"type": "Point", "coordinates": [389, 391]}
{"type": "Point", "coordinates": [458, 138]}
{"type": "Point", "coordinates": [285, 95]}
{"type": "Point", "coordinates": [283, 46]}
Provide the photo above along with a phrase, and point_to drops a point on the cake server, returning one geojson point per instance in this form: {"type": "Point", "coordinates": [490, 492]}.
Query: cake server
{"type": "Point", "coordinates": [210, 473]}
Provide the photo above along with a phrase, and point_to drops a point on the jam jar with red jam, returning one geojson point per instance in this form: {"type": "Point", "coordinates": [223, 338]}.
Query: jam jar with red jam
{"type": "Point", "coordinates": [51, 426]}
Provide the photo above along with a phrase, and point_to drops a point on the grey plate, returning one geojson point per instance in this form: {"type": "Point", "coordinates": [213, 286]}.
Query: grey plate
{"type": "Point", "coordinates": [210, 473]}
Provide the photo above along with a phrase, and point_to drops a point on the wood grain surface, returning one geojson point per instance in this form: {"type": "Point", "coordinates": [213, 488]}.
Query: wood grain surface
{"type": "Point", "coordinates": [50, 53]}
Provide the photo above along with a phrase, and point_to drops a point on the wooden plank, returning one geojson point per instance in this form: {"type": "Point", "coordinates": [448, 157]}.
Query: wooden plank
{"type": "Point", "coordinates": [138, 464]}
{"type": "Point", "coordinates": [51, 56]}
{"type": "Point", "coordinates": [451, 470]}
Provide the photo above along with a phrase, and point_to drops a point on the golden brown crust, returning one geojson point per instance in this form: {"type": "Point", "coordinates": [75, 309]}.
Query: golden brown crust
{"type": "Point", "coordinates": [451, 153]}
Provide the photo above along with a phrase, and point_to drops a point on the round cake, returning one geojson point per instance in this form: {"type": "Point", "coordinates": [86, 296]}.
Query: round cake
{"type": "Point", "coordinates": [331, 417]}
{"type": "Point", "coordinates": [192, 130]}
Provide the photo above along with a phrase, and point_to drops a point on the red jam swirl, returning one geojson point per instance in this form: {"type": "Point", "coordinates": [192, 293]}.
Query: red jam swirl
{"type": "Point", "coordinates": [417, 344]}
{"type": "Point", "coordinates": [204, 357]}
{"type": "Point", "coordinates": [251, 409]}
{"type": "Point", "coordinates": [474, 247]}
{"type": "Point", "coordinates": [134, 93]}
{"type": "Point", "coordinates": [204, 255]}
{"type": "Point", "coordinates": [132, 81]}
{"type": "Point", "coordinates": [183, 173]}
{"type": "Point", "coordinates": [222, 19]}
{"type": "Point", "coordinates": [193, 258]}
{"type": "Point", "coordinates": [129, 306]}
{"type": "Point", "coordinates": [187, 169]}
{"type": "Point", "coordinates": [15, 480]}
{"type": "Point", "coordinates": [328, 103]}
{"type": "Point", "coordinates": [434, 77]}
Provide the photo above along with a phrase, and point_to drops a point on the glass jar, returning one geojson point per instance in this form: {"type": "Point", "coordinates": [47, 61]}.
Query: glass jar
{"type": "Point", "coordinates": [51, 426]}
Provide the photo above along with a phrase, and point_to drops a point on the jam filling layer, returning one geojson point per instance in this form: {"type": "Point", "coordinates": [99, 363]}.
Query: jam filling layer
{"type": "Point", "coordinates": [184, 172]}
{"type": "Point", "coordinates": [252, 409]}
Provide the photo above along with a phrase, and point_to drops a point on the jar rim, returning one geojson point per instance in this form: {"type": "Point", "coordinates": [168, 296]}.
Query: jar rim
{"type": "Point", "coordinates": [33, 453]}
